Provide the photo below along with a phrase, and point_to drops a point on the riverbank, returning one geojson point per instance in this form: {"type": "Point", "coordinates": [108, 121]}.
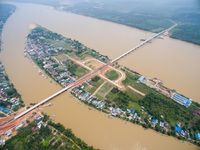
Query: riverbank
{"type": "Point", "coordinates": [139, 14]}
{"type": "Point", "coordinates": [44, 47]}
{"type": "Point", "coordinates": [11, 103]}
{"type": "Point", "coordinates": [10, 99]}
{"type": "Point", "coordinates": [145, 60]}
{"type": "Point", "coordinates": [135, 19]}
{"type": "Point", "coordinates": [43, 133]}
{"type": "Point", "coordinates": [6, 11]}
{"type": "Point", "coordinates": [107, 133]}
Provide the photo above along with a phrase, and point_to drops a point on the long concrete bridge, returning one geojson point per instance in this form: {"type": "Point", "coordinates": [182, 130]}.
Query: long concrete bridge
{"type": "Point", "coordinates": [91, 74]}
{"type": "Point", "coordinates": [143, 43]}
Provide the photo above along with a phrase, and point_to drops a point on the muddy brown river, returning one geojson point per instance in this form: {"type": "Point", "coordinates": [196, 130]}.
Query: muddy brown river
{"type": "Point", "coordinates": [172, 61]}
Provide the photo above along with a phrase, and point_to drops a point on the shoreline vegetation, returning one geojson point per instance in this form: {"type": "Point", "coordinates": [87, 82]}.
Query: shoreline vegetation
{"type": "Point", "coordinates": [170, 118]}
{"type": "Point", "coordinates": [138, 16]}
{"type": "Point", "coordinates": [150, 110]}
{"type": "Point", "coordinates": [40, 133]}
{"type": "Point", "coordinates": [6, 10]}
{"type": "Point", "coordinates": [145, 18]}
{"type": "Point", "coordinates": [43, 133]}
{"type": "Point", "coordinates": [181, 32]}
{"type": "Point", "coordinates": [10, 99]}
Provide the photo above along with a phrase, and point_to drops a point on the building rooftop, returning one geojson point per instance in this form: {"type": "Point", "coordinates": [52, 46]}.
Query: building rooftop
{"type": "Point", "coordinates": [141, 79]}
{"type": "Point", "coordinates": [178, 128]}
{"type": "Point", "coordinates": [197, 136]}
{"type": "Point", "coordinates": [182, 100]}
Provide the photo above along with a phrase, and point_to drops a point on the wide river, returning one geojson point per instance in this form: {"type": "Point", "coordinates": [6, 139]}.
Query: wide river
{"type": "Point", "coordinates": [175, 62]}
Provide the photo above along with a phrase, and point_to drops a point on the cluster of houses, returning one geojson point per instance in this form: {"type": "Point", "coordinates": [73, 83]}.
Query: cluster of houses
{"type": "Point", "coordinates": [42, 51]}
{"type": "Point", "coordinates": [38, 118]}
{"type": "Point", "coordinates": [161, 123]}
{"type": "Point", "coordinates": [179, 98]}
{"type": "Point", "coordinates": [58, 71]}
{"type": "Point", "coordinates": [39, 49]}
{"type": "Point", "coordinates": [129, 114]}
{"type": "Point", "coordinates": [179, 130]}
{"type": "Point", "coordinates": [86, 97]}
{"type": "Point", "coordinates": [151, 120]}
{"type": "Point", "coordinates": [43, 54]}
{"type": "Point", "coordinates": [9, 99]}
{"type": "Point", "coordinates": [42, 42]}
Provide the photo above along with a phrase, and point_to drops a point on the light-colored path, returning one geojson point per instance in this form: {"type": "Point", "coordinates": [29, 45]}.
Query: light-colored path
{"type": "Point", "coordinates": [122, 75]}
{"type": "Point", "coordinates": [99, 88]}
{"type": "Point", "coordinates": [135, 90]}
{"type": "Point", "coordinates": [92, 126]}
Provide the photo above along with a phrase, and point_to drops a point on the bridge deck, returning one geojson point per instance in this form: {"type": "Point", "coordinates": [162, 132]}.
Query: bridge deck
{"type": "Point", "coordinates": [86, 77]}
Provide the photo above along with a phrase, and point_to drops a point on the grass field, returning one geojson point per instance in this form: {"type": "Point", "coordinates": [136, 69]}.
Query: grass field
{"type": "Point", "coordinates": [75, 69]}
{"type": "Point", "coordinates": [131, 79]}
{"type": "Point", "coordinates": [51, 136]}
{"type": "Point", "coordinates": [104, 90]}
{"type": "Point", "coordinates": [93, 85]}
{"type": "Point", "coordinates": [112, 75]}
{"type": "Point", "coordinates": [89, 88]}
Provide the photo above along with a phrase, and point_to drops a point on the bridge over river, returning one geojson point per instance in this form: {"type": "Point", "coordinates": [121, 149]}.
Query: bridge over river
{"type": "Point", "coordinates": [93, 73]}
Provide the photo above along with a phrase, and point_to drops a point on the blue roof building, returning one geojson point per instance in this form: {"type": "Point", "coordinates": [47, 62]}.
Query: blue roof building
{"type": "Point", "coordinates": [132, 111]}
{"type": "Point", "coordinates": [154, 121]}
{"type": "Point", "coordinates": [197, 136]}
{"type": "Point", "coordinates": [182, 100]}
{"type": "Point", "coordinates": [178, 128]}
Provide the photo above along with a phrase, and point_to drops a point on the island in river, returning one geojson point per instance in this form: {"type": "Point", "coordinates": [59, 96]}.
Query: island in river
{"type": "Point", "coordinates": [116, 90]}
{"type": "Point", "coordinates": [34, 128]}
{"type": "Point", "coordinates": [102, 137]}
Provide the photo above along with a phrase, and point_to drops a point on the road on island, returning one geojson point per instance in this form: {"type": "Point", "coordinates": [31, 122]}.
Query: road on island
{"type": "Point", "coordinates": [94, 127]}
{"type": "Point", "coordinates": [93, 73]}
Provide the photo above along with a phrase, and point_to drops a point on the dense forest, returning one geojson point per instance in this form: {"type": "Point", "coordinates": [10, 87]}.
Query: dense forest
{"type": "Point", "coordinates": [50, 136]}
{"type": "Point", "coordinates": [152, 15]}
{"type": "Point", "coordinates": [5, 11]}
